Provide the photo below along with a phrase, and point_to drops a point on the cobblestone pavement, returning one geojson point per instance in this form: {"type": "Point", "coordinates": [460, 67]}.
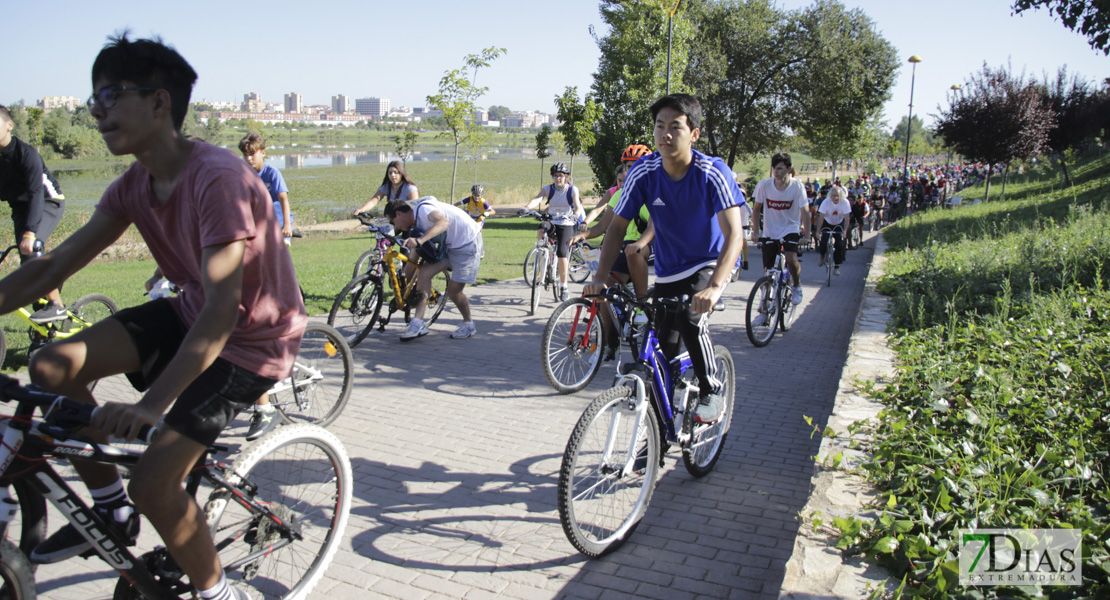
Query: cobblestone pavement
{"type": "Point", "coordinates": [456, 446]}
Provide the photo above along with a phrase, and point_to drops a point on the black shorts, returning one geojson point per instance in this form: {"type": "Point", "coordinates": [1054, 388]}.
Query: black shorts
{"type": "Point", "coordinates": [52, 211]}
{"type": "Point", "coordinates": [621, 264]}
{"type": "Point", "coordinates": [770, 248]}
{"type": "Point", "coordinates": [213, 399]}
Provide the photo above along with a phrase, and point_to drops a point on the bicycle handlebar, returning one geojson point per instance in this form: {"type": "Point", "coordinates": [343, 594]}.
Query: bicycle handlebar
{"type": "Point", "coordinates": [373, 224]}
{"type": "Point", "coordinates": [63, 416]}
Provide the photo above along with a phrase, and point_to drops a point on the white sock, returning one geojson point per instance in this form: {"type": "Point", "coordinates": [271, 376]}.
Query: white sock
{"type": "Point", "coordinates": [220, 591]}
{"type": "Point", "coordinates": [264, 408]}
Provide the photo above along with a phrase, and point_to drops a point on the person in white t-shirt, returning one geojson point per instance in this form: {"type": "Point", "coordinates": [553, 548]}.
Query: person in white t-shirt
{"type": "Point", "coordinates": [833, 212]}
{"type": "Point", "coordinates": [781, 201]}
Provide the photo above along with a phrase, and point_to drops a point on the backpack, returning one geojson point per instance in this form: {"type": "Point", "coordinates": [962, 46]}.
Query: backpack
{"type": "Point", "coordinates": [551, 192]}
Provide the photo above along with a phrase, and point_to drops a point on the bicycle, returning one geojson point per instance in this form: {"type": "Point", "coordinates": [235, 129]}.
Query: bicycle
{"type": "Point", "coordinates": [88, 309]}
{"type": "Point", "coordinates": [357, 308]}
{"type": "Point", "coordinates": [613, 457]}
{"type": "Point", "coordinates": [834, 234]}
{"type": "Point", "coordinates": [575, 337]}
{"type": "Point", "coordinates": [771, 300]}
{"type": "Point", "coordinates": [323, 372]}
{"type": "Point", "coordinates": [277, 514]}
{"type": "Point", "coordinates": [541, 259]}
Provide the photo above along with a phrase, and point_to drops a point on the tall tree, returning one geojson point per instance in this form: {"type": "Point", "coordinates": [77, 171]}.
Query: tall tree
{"type": "Point", "coordinates": [543, 147]}
{"type": "Point", "coordinates": [838, 110]}
{"type": "Point", "coordinates": [1088, 17]}
{"type": "Point", "coordinates": [632, 73]}
{"type": "Point", "coordinates": [499, 113]}
{"type": "Point", "coordinates": [922, 141]}
{"type": "Point", "coordinates": [578, 119]}
{"type": "Point", "coordinates": [1019, 119]}
{"type": "Point", "coordinates": [457, 100]}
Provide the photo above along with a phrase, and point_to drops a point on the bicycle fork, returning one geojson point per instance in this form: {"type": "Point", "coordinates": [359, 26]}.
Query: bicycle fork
{"type": "Point", "coordinates": [638, 406]}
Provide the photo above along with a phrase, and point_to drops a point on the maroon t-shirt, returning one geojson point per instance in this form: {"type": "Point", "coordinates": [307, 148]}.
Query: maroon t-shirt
{"type": "Point", "coordinates": [219, 199]}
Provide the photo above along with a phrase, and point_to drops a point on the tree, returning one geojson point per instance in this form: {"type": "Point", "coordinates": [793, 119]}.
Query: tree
{"type": "Point", "coordinates": [922, 141]}
{"type": "Point", "coordinates": [499, 113]}
{"type": "Point", "coordinates": [1019, 119]}
{"type": "Point", "coordinates": [1076, 106]}
{"type": "Point", "coordinates": [1088, 17]}
{"type": "Point", "coordinates": [404, 143]}
{"type": "Point", "coordinates": [457, 101]}
{"type": "Point", "coordinates": [631, 74]}
{"type": "Point", "coordinates": [577, 122]}
{"type": "Point", "coordinates": [543, 147]}
{"type": "Point", "coordinates": [839, 113]}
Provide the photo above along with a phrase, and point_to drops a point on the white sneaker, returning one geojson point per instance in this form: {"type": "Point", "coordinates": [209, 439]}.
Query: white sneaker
{"type": "Point", "coordinates": [759, 320]}
{"type": "Point", "coordinates": [465, 330]}
{"type": "Point", "coordinates": [415, 329]}
{"type": "Point", "coordinates": [836, 271]}
{"type": "Point", "coordinates": [796, 298]}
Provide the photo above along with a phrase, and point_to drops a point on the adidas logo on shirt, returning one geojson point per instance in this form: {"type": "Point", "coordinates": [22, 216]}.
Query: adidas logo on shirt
{"type": "Point", "coordinates": [658, 202]}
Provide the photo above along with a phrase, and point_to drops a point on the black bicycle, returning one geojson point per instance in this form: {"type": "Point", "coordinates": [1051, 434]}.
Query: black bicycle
{"type": "Point", "coordinates": [277, 514]}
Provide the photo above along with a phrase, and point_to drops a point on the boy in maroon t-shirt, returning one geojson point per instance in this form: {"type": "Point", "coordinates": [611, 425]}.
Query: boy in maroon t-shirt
{"type": "Point", "coordinates": [210, 352]}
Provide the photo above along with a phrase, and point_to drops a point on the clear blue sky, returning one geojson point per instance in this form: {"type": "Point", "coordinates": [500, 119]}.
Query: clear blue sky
{"type": "Point", "coordinates": [399, 50]}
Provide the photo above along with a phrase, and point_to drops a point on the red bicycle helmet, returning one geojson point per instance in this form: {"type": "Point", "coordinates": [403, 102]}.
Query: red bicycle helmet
{"type": "Point", "coordinates": [634, 152]}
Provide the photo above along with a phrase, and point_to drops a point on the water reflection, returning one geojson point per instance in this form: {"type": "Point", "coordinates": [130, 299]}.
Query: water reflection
{"type": "Point", "coordinates": [348, 158]}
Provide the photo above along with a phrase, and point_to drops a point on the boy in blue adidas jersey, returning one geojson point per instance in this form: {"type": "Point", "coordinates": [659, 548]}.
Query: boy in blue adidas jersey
{"type": "Point", "coordinates": [693, 200]}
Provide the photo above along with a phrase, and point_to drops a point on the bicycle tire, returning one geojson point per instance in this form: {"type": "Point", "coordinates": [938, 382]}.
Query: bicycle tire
{"type": "Point", "coordinates": [762, 302]}
{"type": "Point", "coordinates": [362, 265]}
{"type": "Point", "coordinates": [323, 373]}
{"type": "Point", "coordinates": [578, 269]}
{"type": "Point", "coordinates": [598, 508]}
{"type": "Point", "coordinates": [572, 345]}
{"type": "Point", "coordinates": [355, 310]}
{"type": "Point", "coordinates": [17, 576]}
{"type": "Point", "coordinates": [438, 298]}
{"type": "Point", "coordinates": [3, 348]}
{"type": "Point", "coordinates": [278, 466]}
{"type": "Point", "coordinates": [30, 522]}
{"type": "Point", "coordinates": [829, 265]}
{"type": "Point", "coordinates": [94, 307]}
{"type": "Point", "coordinates": [539, 269]}
{"type": "Point", "coordinates": [787, 310]}
{"type": "Point", "coordinates": [703, 451]}
{"type": "Point", "coordinates": [529, 266]}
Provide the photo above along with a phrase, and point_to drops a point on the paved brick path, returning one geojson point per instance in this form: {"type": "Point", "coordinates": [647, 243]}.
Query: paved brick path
{"type": "Point", "coordinates": [456, 446]}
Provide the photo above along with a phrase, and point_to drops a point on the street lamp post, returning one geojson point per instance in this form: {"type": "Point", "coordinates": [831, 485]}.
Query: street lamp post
{"type": "Point", "coordinates": [909, 120]}
{"type": "Point", "coordinates": [670, 28]}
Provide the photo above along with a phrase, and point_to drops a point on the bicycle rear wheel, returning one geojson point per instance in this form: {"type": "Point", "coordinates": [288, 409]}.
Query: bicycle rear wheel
{"type": "Point", "coordinates": [702, 452]}
{"type": "Point", "coordinates": [599, 505]}
{"type": "Point", "coordinates": [572, 344]}
{"type": "Point", "coordinates": [438, 298]}
{"type": "Point", "coordinates": [762, 314]}
{"type": "Point", "coordinates": [355, 310]}
{"type": "Point", "coordinates": [578, 269]}
{"type": "Point", "coordinates": [321, 381]}
{"type": "Point", "coordinates": [91, 308]}
{"type": "Point", "coordinates": [303, 474]}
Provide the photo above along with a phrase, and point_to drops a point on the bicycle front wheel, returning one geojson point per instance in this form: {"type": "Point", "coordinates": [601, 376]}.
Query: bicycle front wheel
{"type": "Point", "coordinates": [530, 266]}
{"type": "Point", "coordinates": [787, 309]}
{"type": "Point", "coordinates": [603, 491]}
{"type": "Point", "coordinates": [539, 275]}
{"type": "Point", "coordinates": [762, 314]}
{"type": "Point", "coordinates": [572, 344]}
{"type": "Point", "coordinates": [320, 385]}
{"type": "Point", "coordinates": [302, 473]}
{"type": "Point", "coordinates": [578, 268]}
{"type": "Point", "coordinates": [17, 577]}
{"type": "Point", "coordinates": [829, 264]}
{"type": "Point", "coordinates": [703, 450]}
{"type": "Point", "coordinates": [355, 310]}
{"type": "Point", "coordinates": [362, 265]}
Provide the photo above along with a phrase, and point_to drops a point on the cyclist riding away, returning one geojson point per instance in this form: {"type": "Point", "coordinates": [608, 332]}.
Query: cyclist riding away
{"type": "Point", "coordinates": [231, 333]}
{"type": "Point", "coordinates": [37, 204]}
{"type": "Point", "coordinates": [833, 212]}
{"type": "Point", "coordinates": [786, 206]}
{"type": "Point", "coordinates": [565, 206]}
{"type": "Point", "coordinates": [692, 199]}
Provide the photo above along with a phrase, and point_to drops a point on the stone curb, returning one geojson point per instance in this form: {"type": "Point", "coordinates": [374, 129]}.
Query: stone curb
{"type": "Point", "coordinates": [817, 569]}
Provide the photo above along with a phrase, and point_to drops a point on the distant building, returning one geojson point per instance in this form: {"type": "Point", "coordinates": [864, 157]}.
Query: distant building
{"type": "Point", "coordinates": [293, 103]}
{"type": "Point", "coordinates": [372, 107]}
{"type": "Point", "coordinates": [252, 102]}
{"type": "Point", "coordinates": [49, 103]}
{"type": "Point", "coordinates": [341, 104]}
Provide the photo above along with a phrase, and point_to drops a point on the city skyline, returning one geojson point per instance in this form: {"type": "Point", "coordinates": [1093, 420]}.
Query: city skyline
{"type": "Point", "coordinates": [384, 53]}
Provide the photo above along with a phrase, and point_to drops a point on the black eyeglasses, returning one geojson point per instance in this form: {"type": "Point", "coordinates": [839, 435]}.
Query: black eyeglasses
{"type": "Point", "coordinates": [108, 94]}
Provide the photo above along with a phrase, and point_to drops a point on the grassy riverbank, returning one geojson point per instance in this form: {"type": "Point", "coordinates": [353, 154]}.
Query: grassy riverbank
{"type": "Point", "coordinates": [997, 417]}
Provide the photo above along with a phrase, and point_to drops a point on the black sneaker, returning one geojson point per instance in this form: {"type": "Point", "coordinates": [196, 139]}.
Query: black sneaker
{"type": "Point", "coordinates": [262, 422]}
{"type": "Point", "coordinates": [67, 542]}
{"type": "Point", "coordinates": [610, 354]}
{"type": "Point", "coordinates": [49, 313]}
{"type": "Point", "coordinates": [710, 407]}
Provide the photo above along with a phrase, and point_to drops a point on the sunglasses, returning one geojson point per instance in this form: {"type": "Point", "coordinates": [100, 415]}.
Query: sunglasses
{"type": "Point", "coordinates": [108, 95]}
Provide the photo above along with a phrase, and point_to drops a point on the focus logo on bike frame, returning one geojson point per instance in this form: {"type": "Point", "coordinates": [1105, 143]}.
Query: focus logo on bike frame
{"type": "Point", "coordinates": [1020, 557]}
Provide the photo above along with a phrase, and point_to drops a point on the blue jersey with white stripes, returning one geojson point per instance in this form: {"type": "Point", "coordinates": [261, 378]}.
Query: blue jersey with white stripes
{"type": "Point", "coordinates": [687, 234]}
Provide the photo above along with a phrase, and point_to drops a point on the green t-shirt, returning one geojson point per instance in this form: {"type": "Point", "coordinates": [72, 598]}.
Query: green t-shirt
{"type": "Point", "coordinates": [632, 233]}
